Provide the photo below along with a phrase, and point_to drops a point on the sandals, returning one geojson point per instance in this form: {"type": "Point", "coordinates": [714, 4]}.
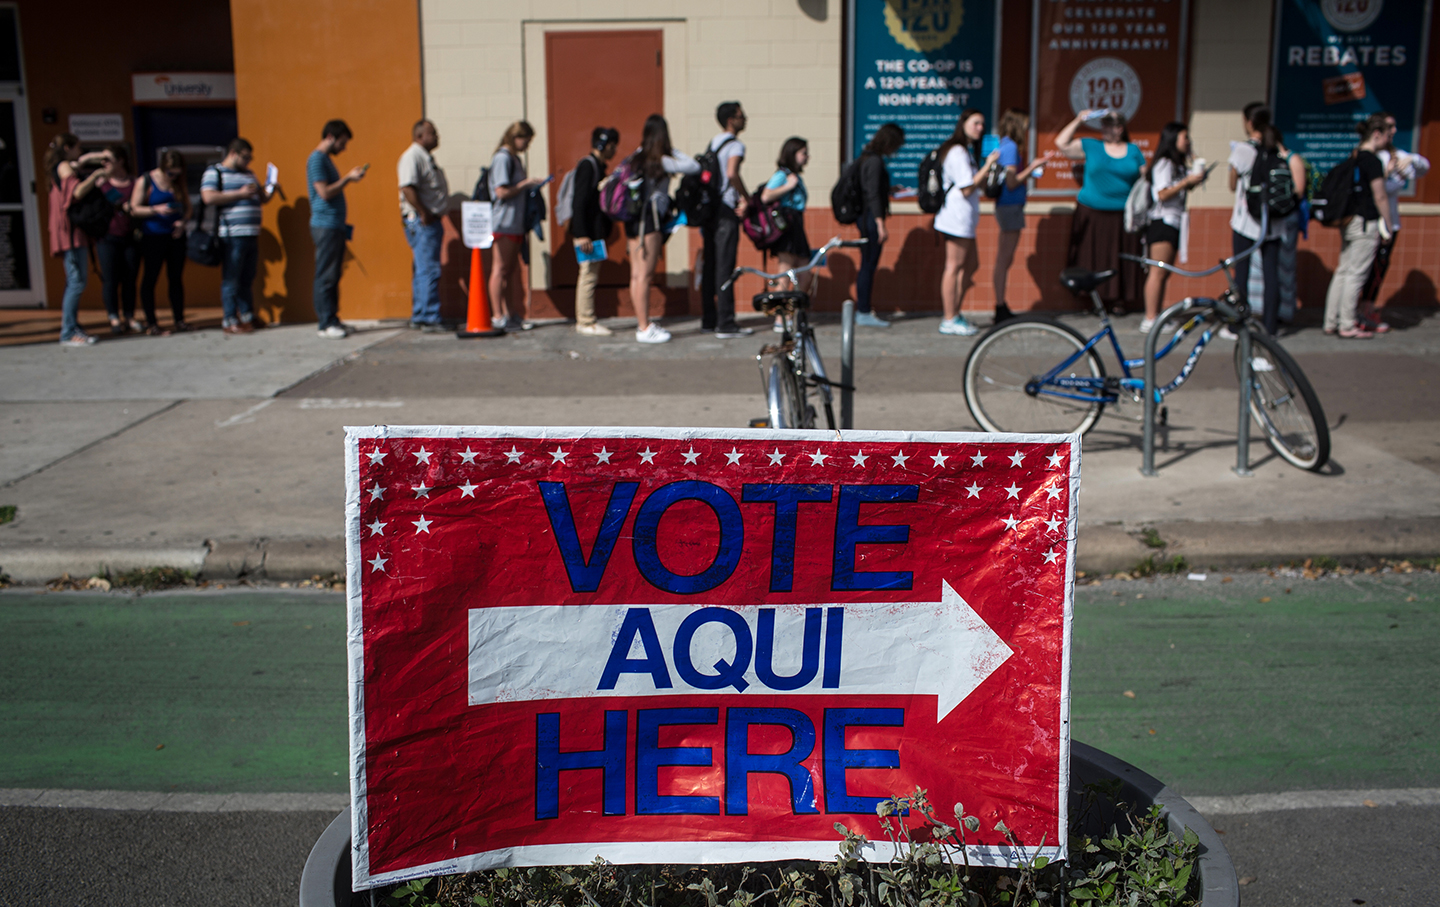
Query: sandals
{"type": "Point", "coordinates": [155, 330]}
{"type": "Point", "coordinates": [117, 327]}
{"type": "Point", "coordinates": [1356, 333]}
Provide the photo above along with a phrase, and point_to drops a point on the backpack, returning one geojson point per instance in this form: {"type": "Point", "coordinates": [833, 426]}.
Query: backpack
{"type": "Point", "coordinates": [1137, 205]}
{"type": "Point", "coordinates": [565, 198]}
{"type": "Point", "coordinates": [202, 245]}
{"type": "Point", "coordinates": [931, 180]}
{"type": "Point", "coordinates": [1271, 186]}
{"type": "Point", "coordinates": [765, 224]}
{"type": "Point", "coordinates": [846, 199]}
{"type": "Point", "coordinates": [621, 193]}
{"type": "Point", "coordinates": [1338, 197]}
{"type": "Point", "coordinates": [995, 182]}
{"type": "Point", "coordinates": [91, 213]}
{"type": "Point", "coordinates": [698, 195]}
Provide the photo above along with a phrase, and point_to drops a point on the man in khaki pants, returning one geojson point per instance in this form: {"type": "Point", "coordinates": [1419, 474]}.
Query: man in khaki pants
{"type": "Point", "coordinates": [589, 225]}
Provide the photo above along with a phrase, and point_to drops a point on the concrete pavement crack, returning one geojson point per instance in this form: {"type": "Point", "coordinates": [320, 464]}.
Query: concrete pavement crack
{"type": "Point", "coordinates": [98, 441]}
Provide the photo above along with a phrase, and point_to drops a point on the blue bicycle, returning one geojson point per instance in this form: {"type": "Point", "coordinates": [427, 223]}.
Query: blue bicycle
{"type": "Point", "coordinates": [1034, 374]}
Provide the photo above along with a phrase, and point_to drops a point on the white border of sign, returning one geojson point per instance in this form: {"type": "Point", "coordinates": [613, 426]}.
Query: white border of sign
{"type": "Point", "coordinates": [645, 851]}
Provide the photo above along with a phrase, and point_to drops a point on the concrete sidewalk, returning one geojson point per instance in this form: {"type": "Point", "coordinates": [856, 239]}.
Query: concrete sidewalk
{"type": "Point", "coordinates": [223, 454]}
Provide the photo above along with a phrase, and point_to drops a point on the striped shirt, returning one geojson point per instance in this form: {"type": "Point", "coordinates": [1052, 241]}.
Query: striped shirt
{"type": "Point", "coordinates": [239, 218]}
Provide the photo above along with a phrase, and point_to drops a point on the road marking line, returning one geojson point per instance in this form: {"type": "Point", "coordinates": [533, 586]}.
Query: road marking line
{"type": "Point", "coordinates": [154, 801]}
{"type": "Point", "coordinates": [347, 403]}
{"type": "Point", "coordinates": [1314, 799]}
{"type": "Point", "coordinates": [247, 416]}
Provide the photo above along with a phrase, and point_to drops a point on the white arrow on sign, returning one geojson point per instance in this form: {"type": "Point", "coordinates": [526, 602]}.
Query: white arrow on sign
{"type": "Point", "coordinates": [941, 648]}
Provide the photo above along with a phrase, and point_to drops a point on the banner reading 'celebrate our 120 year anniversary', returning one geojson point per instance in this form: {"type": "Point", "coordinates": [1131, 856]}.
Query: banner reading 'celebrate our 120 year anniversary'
{"type": "Point", "coordinates": [701, 646]}
{"type": "Point", "coordinates": [1125, 55]}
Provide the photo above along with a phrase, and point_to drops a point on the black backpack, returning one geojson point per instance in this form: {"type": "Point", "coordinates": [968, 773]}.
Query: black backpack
{"type": "Point", "coordinates": [699, 193]}
{"type": "Point", "coordinates": [931, 180]}
{"type": "Point", "coordinates": [91, 213]}
{"type": "Point", "coordinates": [1338, 197]}
{"type": "Point", "coordinates": [202, 245]}
{"type": "Point", "coordinates": [846, 198]}
{"type": "Point", "coordinates": [1271, 186]}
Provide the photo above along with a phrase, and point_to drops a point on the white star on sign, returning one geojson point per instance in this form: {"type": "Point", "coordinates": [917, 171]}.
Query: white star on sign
{"type": "Point", "coordinates": [377, 456]}
{"type": "Point", "coordinates": [422, 490]}
{"type": "Point", "coordinates": [899, 458]}
{"type": "Point", "coordinates": [378, 563]}
{"type": "Point", "coordinates": [468, 489]}
{"type": "Point", "coordinates": [818, 458]}
{"type": "Point", "coordinates": [1052, 492]}
{"type": "Point", "coordinates": [1055, 459]}
{"type": "Point", "coordinates": [1010, 522]}
{"type": "Point", "coordinates": [939, 459]}
{"type": "Point", "coordinates": [1052, 556]}
{"type": "Point", "coordinates": [376, 528]}
{"type": "Point", "coordinates": [1053, 524]}
{"type": "Point", "coordinates": [973, 489]}
{"type": "Point", "coordinates": [512, 455]}
{"type": "Point", "coordinates": [648, 456]}
{"type": "Point", "coordinates": [557, 456]}
{"type": "Point", "coordinates": [775, 457]}
{"type": "Point", "coordinates": [690, 455]}
{"type": "Point", "coordinates": [1016, 458]}
{"type": "Point", "coordinates": [421, 525]}
{"type": "Point", "coordinates": [377, 493]}
{"type": "Point", "coordinates": [421, 456]}
{"type": "Point", "coordinates": [859, 458]}
{"type": "Point", "coordinates": [603, 456]}
{"type": "Point", "coordinates": [977, 459]}
{"type": "Point", "coordinates": [734, 457]}
{"type": "Point", "coordinates": [468, 457]}
{"type": "Point", "coordinates": [1013, 491]}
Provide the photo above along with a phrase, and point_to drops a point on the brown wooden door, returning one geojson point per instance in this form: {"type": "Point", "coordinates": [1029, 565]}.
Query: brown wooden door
{"type": "Point", "coordinates": [601, 78]}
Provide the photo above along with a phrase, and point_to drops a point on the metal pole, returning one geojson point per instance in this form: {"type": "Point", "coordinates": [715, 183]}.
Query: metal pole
{"type": "Point", "coordinates": [1152, 340]}
{"type": "Point", "coordinates": [1242, 446]}
{"type": "Point", "coordinates": [847, 364]}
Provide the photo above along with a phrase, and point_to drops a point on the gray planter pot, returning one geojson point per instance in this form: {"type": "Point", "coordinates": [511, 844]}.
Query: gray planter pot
{"type": "Point", "coordinates": [326, 879]}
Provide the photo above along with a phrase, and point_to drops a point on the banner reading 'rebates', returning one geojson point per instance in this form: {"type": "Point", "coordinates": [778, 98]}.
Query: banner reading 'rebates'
{"type": "Point", "coordinates": [701, 646]}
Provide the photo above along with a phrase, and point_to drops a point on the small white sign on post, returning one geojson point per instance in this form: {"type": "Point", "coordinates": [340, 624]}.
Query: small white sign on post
{"type": "Point", "coordinates": [98, 127]}
{"type": "Point", "coordinates": [475, 225]}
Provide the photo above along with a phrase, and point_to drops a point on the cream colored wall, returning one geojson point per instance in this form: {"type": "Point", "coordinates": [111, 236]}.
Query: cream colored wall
{"type": "Point", "coordinates": [1230, 50]}
{"type": "Point", "coordinates": [484, 67]}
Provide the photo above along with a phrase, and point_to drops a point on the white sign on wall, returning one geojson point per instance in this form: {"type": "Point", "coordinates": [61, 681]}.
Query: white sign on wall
{"type": "Point", "coordinates": [475, 225]}
{"type": "Point", "coordinates": [98, 127]}
{"type": "Point", "coordinates": [182, 87]}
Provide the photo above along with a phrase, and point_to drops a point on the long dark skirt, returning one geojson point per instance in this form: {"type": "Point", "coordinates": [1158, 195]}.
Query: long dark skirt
{"type": "Point", "coordinates": [1096, 240]}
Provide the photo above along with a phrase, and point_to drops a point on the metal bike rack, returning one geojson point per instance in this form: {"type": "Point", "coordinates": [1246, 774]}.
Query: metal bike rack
{"type": "Point", "coordinates": [1242, 447]}
{"type": "Point", "coordinates": [847, 364]}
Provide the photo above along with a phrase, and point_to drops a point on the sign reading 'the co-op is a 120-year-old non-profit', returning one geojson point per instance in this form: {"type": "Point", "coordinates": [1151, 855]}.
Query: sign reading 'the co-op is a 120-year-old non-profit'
{"type": "Point", "coordinates": [701, 646]}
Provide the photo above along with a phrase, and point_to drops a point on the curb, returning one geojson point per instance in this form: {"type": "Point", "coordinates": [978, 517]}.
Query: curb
{"type": "Point", "coordinates": [1099, 549]}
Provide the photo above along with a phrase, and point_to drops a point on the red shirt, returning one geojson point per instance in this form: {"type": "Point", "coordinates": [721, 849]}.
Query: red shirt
{"type": "Point", "coordinates": [64, 237]}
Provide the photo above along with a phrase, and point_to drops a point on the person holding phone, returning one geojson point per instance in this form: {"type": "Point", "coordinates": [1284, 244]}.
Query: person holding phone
{"type": "Point", "coordinates": [162, 205]}
{"type": "Point", "coordinates": [1171, 179]}
{"type": "Point", "coordinates": [327, 223]}
{"type": "Point", "coordinates": [509, 193]}
{"type": "Point", "coordinates": [233, 189]}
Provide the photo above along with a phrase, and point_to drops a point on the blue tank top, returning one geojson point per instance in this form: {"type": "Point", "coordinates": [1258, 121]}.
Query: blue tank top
{"type": "Point", "coordinates": [159, 224]}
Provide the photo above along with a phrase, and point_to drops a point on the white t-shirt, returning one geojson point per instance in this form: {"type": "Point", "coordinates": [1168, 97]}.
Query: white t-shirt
{"type": "Point", "coordinates": [1412, 166]}
{"type": "Point", "coordinates": [417, 168]}
{"type": "Point", "coordinates": [728, 193]}
{"type": "Point", "coordinates": [1164, 175]}
{"type": "Point", "coordinates": [960, 214]}
{"type": "Point", "coordinates": [1242, 161]}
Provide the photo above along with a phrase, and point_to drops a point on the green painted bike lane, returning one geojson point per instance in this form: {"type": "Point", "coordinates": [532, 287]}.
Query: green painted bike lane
{"type": "Point", "coordinates": [1331, 685]}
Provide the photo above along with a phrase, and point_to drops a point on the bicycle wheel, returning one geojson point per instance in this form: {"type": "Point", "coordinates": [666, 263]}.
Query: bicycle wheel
{"type": "Point", "coordinates": [783, 396]}
{"type": "Point", "coordinates": [1013, 353]}
{"type": "Point", "coordinates": [1284, 405]}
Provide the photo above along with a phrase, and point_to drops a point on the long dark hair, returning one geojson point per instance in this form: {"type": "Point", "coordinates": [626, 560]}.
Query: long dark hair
{"type": "Point", "coordinates": [1169, 149]}
{"type": "Point", "coordinates": [654, 146]}
{"type": "Point", "coordinates": [958, 137]}
{"type": "Point", "coordinates": [792, 147]}
{"type": "Point", "coordinates": [886, 141]}
{"type": "Point", "coordinates": [1260, 121]}
{"type": "Point", "coordinates": [55, 154]}
{"type": "Point", "coordinates": [170, 159]}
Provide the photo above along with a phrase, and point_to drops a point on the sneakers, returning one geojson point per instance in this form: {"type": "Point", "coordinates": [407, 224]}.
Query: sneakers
{"type": "Point", "coordinates": [1147, 325]}
{"type": "Point", "coordinates": [1003, 313]}
{"type": "Point", "coordinates": [870, 320]}
{"type": "Point", "coordinates": [1227, 334]}
{"type": "Point", "coordinates": [593, 330]}
{"type": "Point", "coordinates": [79, 339]}
{"type": "Point", "coordinates": [1261, 364]}
{"type": "Point", "coordinates": [653, 334]}
{"type": "Point", "coordinates": [334, 332]}
{"type": "Point", "coordinates": [733, 333]}
{"type": "Point", "coordinates": [432, 327]}
{"type": "Point", "coordinates": [958, 326]}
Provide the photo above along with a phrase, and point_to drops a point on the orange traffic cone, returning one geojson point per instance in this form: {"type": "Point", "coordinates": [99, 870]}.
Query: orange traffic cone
{"type": "Point", "coordinates": [477, 322]}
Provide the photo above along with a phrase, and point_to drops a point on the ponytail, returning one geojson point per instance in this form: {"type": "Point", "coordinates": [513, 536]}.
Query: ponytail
{"type": "Point", "coordinates": [55, 154]}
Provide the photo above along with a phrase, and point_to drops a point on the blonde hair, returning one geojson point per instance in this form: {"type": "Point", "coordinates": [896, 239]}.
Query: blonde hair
{"type": "Point", "coordinates": [1014, 124]}
{"type": "Point", "coordinates": [516, 130]}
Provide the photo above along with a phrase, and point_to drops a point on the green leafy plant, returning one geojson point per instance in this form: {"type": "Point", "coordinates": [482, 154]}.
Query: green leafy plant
{"type": "Point", "coordinates": [1150, 566]}
{"type": "Point", "coordinates": [7, 513]}
{"type": "Point", "coordinates": [1151, 538]}
{"type": "Point", "coordinates": [150, 579]}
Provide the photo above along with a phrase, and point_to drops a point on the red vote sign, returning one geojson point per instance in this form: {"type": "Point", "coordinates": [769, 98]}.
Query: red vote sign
{"type": "Point", "coordinates": [701, 646]}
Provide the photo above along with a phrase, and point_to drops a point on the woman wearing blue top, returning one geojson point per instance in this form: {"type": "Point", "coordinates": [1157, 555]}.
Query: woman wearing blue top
{"type": "Point", "coordinates": [1097, 232]}
{"type": "Point", "coordinates": [787, 188]}
{"type": "Point", "coordinates": [162, 204]}
{"type": "Point", "coordinates": [1014, 131]}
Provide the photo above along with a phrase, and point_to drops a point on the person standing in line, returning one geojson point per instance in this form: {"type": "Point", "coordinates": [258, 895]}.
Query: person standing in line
{"type": "Point", "coordinates": [1401, 168]}
{"type": "Point", "coordinates": [656, 161]}
{"type": "Point", "coordinates": [874, 179]}
{"type": "Point", "coordinates": [721, 237]}
{"type": "Point", "coordinates": [161, 203]}
{"type": "Point", "coordinates": [67, 242]}
{"type": "Point", "coordinates": [1362, 233]}
{"type": "Point", "coordinates": [232, 188]}
{"type": "Point", "coordinates": [509, 187]}
{"type": "Point", "coordinates": [962, 174]}
{"type": "Point", "coordinates": [787, 187]}
{"type": "Point", "coordinates": [1277, 251]}
{"type": "Point", "coordinates": [1014, 131]}
{"type": "Point", "coordinates": [1097, 232]}
{"type": "Point", "coordinates": [424, 196]}
{"type": "Point", "coordinates": [1170, 182]}
{"type": "Point", "coordinates": [327, 223]}
{"type": "Point", "coordinates": [589, 225]}
{"type": "Point", "coordinates": [117, 250]}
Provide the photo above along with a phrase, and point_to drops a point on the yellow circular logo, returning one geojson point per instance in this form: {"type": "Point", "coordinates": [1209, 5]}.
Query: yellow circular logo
{"type": "Point", "coordinates": [924, 25]}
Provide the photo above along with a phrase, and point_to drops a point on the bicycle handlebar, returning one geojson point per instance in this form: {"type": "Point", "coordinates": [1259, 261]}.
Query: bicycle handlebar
{"type": "Point", "coordinates": [815, 261]}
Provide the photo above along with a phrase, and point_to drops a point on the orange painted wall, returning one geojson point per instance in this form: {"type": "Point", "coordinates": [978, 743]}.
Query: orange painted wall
{"type": "Point", "coordinates": [296, 66]}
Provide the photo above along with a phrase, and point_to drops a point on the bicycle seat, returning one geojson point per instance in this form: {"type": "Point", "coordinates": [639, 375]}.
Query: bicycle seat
{"type": "Point", "coordinates": [1079, 280]}
{"type": "Point", "coordinates": [776, 300]}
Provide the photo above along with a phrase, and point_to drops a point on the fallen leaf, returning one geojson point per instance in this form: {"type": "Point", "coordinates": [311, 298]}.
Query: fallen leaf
{"type": "Point", "coordinates": [1265, 600]}
{"type": "Point", "coordinates": [1139, 595]}
{"type": "Point", "coordinates": [1129, 694]}
{"type": "Point", "coordinates": [1152, 731]}
{"type": "Point", "coordinates": [1246, 880]}
{"type": "Point", "coordinates": [1228, 579]}
{"type": "Point", "coordinates": [103, 584]}
{"type": "Point", "coordinates": [1410, 599]}
{"type": "Point", "coordinates": [242, 623]}
{"type": "Point", "coordinates": [1370, 803]}
{"type": "Point", "coordinates": [1287, 591]}
{"type": "Point", "coordinates": [160, 747]}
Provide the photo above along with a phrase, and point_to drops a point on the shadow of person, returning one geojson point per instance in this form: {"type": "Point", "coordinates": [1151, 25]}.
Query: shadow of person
{"type": "Point", "coordinates": [837, 279]}
{"type": "Point", "coordinates": [1052, 248]}
{"type": "Point", "coordinates": [1413, 302]}
{"type": "Point", "coordinates": [289, 300]}
{"type": "Point", "coordinates": [914, 278]}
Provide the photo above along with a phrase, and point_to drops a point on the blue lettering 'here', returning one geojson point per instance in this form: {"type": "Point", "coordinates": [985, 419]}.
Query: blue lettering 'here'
{"type": "Point", "coordinates": [550, 762]}
{"type": "Point", "coordinates": [837, 759]}
{"type": "Point", "coordinates": [740, 763]}
{"type": "Point", "coordinates": [650, 756]}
